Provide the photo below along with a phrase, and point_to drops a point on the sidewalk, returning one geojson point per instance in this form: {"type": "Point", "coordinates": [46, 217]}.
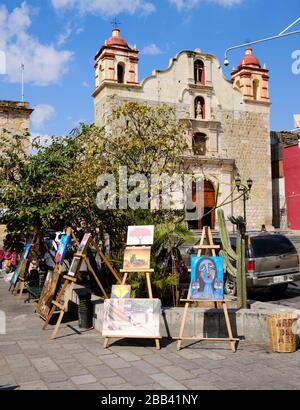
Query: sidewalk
{"type": "Point", "coordinates": [30, 360]}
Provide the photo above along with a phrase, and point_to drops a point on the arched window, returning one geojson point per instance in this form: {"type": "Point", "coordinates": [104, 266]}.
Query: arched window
{"type": "Point", "coordinates": [199, 143]}
{"type": "Point", "coordinates": [199, 108]}
{"type": "Point", "coordinates": [199, 72]}
{"type": "Point", "coordinates": [121, 73]}
{"type": "Point", "coordinates": [256, 89]}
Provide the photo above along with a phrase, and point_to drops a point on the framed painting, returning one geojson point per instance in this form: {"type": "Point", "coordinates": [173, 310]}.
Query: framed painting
{"type": "Point", "coordinates": [49, 292]}
{"type": "Point", "coordinates": [137, 259]}
{"type": "Point", "coordinates": [75, 266]}
{"type": "Point", "coordinates": [207, 278]}
{"type": "Point", "coordinates": [84, 243]}
{"type": "Point", "coordinates": [22, 265]}
{"type": "Point", "coordinates": [140, 235]}
{"type": "Point", "coordinates": [121, 292]}
{"type": "Point", "coordinates": [131, 318]}
{"type": "Point", "coordinates": [62, 249]}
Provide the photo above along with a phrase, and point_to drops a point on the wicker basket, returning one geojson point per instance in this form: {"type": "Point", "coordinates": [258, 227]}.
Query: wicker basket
{"type": "Point", "coordinates": [283, 338]}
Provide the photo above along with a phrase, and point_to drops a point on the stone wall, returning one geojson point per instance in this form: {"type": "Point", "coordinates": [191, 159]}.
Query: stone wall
{"type": "Point", "coordinates": [15, 118]}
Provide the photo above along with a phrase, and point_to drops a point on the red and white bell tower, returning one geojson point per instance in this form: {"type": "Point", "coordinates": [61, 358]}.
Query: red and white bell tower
{"type": "Point", "coordinates": [116, 62]}
{"type": "Point", "coordinates": [251, 79]}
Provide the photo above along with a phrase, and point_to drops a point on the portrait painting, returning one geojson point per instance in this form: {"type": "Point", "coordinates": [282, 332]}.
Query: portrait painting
{"type": "Point", "coordinates": [131, 318]}
{"type": "Point", "coordinates": [140, 235]}
{"type": "Point", "coordinates": [121, 292]}
{"type": "Point", "coordinates": [207, 278]}
{"type": "Point", "coordinates": [137, 259]}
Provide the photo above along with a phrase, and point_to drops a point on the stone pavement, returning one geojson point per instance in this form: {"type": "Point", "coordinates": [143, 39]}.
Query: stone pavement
{"type": "Point", "coordinates": [29, 360]}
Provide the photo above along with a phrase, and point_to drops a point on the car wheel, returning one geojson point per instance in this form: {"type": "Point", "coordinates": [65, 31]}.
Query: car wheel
{"type": "Point", "coordinates": [230, 286]}
{"type": "Point", "coordinates": [279, 290]}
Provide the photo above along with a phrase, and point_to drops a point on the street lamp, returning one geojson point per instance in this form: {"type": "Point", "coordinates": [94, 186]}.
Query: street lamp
{"type": "Point", "coordinates": [283, 33]}
{"type": "Point", "coordinates": [245, 190]}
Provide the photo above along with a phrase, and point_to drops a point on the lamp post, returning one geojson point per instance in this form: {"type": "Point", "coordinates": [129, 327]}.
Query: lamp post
{"type": "Point", "coordinates": [245, 190]}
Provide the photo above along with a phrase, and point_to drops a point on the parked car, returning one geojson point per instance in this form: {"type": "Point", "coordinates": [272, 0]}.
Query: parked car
{"type": "Point", "coordinates": [271, 261]}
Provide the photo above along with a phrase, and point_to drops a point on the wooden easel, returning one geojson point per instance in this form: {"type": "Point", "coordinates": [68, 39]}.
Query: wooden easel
{"type": "Point", "coordinates": [58, 305]}
{"type": "Point", "coordinates": [69, 280]}
{"type": "Point", "coordinates": [150, 296]}
{"type": "Point", "coordinates": [206, 233]}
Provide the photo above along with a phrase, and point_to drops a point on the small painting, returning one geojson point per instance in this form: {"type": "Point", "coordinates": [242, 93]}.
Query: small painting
{"type": "Point", "coordinates": [137, 259]}
{"type": "Point", "coordinates": [121, 292]}
{"type": "Point", "coordinates": [62, 249]}
{"type": "Point", "coordinates": [84, 242]}
{"type": "Point", "coordinates": [207, 278]}
{"type": "Point", "coordinates": [131, 318]}
{"type": "Point", "coordinates": [22, 265]}
{"type": "Point", "coordinates": [75, 266]}
{"type": "Point", "coordinates": [140, 235]}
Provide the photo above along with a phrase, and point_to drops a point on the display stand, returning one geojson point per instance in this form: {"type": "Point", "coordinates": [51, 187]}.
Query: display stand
{"type": "Point", "coordinates": [71, 279]}
{"type": "Point", "coordinates": [211, 248]}
{"type": "Point", "coordinates": [147, 273]}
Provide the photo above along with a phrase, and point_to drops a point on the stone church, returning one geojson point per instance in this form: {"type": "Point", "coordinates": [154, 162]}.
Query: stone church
{"type": "Point", "coordinates": [230, 119]}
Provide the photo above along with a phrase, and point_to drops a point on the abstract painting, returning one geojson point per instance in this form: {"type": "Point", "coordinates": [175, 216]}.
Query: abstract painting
{"type": "Point", "coordinates": [140, 235]}
{"type": "Point", "coordinates": [62, 249]}
{"type": "Point", "coordinates": [137, 259]}
{"type": "Point", "coordinates": [131, 318]}
{"type": "Point", "coordinates": [84, 242]}
{"type": "Point", "coordinates": [21, 268]}
{"type": "Point", "coordinates": [121, 292]}
{"type": "Point", "coordinates": [207, 278]}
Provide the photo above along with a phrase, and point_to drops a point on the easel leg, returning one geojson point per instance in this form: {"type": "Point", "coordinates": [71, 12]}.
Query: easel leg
{"type": "Point", "coordinates": [185, 313]}
{"type": "Point", "coordinates": [106, 342]}
{"type": "Point", "coordinates": [228, 325]}
{"type": "Point", "coordinates": [157, 344]}
{"type": "Point", "coordinates": [149, 287]}
{"type": "Point", "coordinates": [49, 317]}
{"type": "Point", "coordinates": [54, 307]}
{"type": "Point", "coordinates": [58, 324]}
{"type": "Point", "coordinates": [21, 288]}
{"type": "Point", "coordinates": [95, 276]}
{"type": "Point", "coordinates": [125, 279]}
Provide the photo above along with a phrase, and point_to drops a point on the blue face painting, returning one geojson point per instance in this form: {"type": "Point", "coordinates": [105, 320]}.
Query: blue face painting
{"type": "Point", "coordinates": [207, 278]}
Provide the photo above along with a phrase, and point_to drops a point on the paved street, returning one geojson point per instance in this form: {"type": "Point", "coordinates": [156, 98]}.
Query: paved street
{"type": "Point", "coordinates": [30, 360]}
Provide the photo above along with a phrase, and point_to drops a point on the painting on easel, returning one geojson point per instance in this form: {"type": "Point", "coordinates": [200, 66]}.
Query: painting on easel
{"type": "Point", "coordinates": [131, 318]}
{"type": "Point", "coordinates": [137, 258]}
{"type": "Point", "coordinates": [84, 243]}
{"type": "Point", "coordinates": [75, 266]}
{"type": "Point", "coordinates": [62, 249]}
{"type": "Point", "coordinates": [207, 278]}
{"type": "Point", "coordinates": [140, 235]}
{"type": "Point", "coordinates": [121, 292]}
{"type": "Point", "coordinates": [20, 271]}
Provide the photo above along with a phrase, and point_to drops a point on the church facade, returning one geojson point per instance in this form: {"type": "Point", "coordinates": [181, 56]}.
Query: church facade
{"type": "Point", "coordinates": [230, 119]}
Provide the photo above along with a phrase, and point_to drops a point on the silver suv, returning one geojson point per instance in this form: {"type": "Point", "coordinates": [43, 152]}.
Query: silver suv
{"type": "Point", "coordinates": [271, 261]}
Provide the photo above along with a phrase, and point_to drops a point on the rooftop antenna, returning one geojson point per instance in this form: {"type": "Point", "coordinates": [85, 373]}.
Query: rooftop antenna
{"type": "Point", "coordinates": [22, 79]}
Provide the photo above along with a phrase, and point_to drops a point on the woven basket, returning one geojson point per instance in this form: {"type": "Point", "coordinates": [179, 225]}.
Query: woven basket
{"type": "Point", "coordinates": [283, 337]}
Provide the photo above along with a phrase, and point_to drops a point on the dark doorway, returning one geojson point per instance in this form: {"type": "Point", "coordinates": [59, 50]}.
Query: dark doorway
{"type": "Point", "coordinates": [207, 213]}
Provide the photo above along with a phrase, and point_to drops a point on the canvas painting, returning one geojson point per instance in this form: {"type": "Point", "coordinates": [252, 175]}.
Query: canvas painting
{"type": "Point", "coordinates": [137, 259]}
{"type": "Point", "coordinates": [140, 235]}
{"type": "Point", "coordinates": [48, 293]}
{"type": "Point", "coordinates": [131, 318]}
{"type": "Point", "coordinates": [75, 266]}
{"type": "Point", "coordinates": [207, 278]}
{"type": "Point", "coordinates": [62, 249]}
{"type": "Point", "coordinates": [121, 292]}
{"type": "Point", "coordinates": [84, 242]}
{"type": "Point", "coordinates": [21, 268]}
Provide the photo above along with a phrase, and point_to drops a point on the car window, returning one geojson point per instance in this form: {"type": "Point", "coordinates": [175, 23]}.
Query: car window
{"type": "Point", "coordinates": [272, 245]}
